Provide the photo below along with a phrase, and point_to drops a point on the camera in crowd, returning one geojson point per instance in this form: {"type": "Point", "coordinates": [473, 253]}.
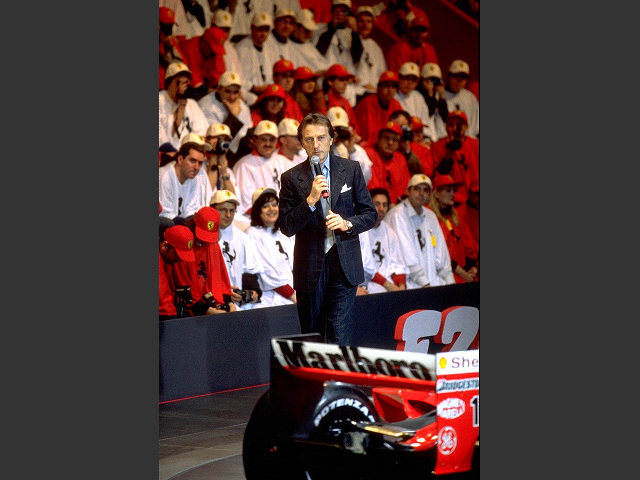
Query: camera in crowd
{"type": "Point", "coordinates": [245, 294]}
{"type": "Point", "coordinates": [343, 133]}
{"type": "Point", "coordinates": [407, 134]}
{"type": "Point", "coordinates": [183, 299]}
{"type": "Point", "coordinates": [221, 147]}
{"type": "Point", "coordinates": [210, 300]}
{"type": "Point", "coordinates": [435, 80]}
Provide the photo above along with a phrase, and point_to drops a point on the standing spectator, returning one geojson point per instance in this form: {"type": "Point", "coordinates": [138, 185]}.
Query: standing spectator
{"type": "Point", "coordinates": [224, 20]}
{"type": "Point", "coordinates": [226, 105]}
{"type": "Point", "coordinates": [198, 18]}
{"type": "Point", "coordinates": [257, 59]}
{"type": "Point", "coordinates": [307, 93]}
{"type": "Point", "coordinates": [459, 98]}
{"type": "Point", "coordinates": [423, 244]}
{"type": "Point", "coordinates": [395, 16]}
{"type": "Point", "coordinates": [259, 168]}
{"type": "Point", "coordinates": [184, 187]}
{"type": "Point", "coordinates": [345, 143]}
{"type": "Point", "coordinates": [304, 49]}
{"type": "Point", "coordinates": [207, 277]}
{"type": "Point", "coordinates": [409, 97]}
{"type": "Point", "coordinates": [169, 45]}
{"type": "Point", "coordinates": [284, 23]}
{"type": "Point", "coordinates": [212, 52]}
{"type": "Point", "coordinates": [336, 79]}
{"type": "Point", "coordinates": [243, 14]}
{"type": "Point", "coordinates": [415, 49]}
{"type": "Point", "coordinates": [373, 110]}
{"type": "Point", "coordinates": [338, 38]}
{"type": "Point", "coordinates": [274, 248]}
{"type": "Point", "coordinates": [177, 114]}
{"type": "Point", "coordinates": [370, 62]}
{"type": "Point", "coordinates": [457, 155]}
{"type": "Point", "coordinates": [389, 169]}
{"type": "Point", "coordinates": [239, 254]}
{"type": "Point", "coordinates": [390, 273]}
{"type": "Point", "coordinates": [221, 177]}
{"type": "Point", "coordinates": [463, 248]}
{"type": "Point", "coordinates": [418, 156]}
{"type": "Point", "coordinates": [432, 89]}
{"type": "Point", "coordinates": [283, 74]}
{"type": "Point", "coordinates": [290, 150]}
{"type": "Point", "coordinates": [327, 265]}
{"type": "Point", "coordinates": [176, 245]}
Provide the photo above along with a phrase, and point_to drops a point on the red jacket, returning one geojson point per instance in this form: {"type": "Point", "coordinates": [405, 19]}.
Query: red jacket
{"type": "Point", "coordinates": [334, 100]}
{"type": "Point", "coordinates": [465, 168]}
{"type": "Point", "coordinates": [460, 243]}
{"type": "Point", "coordinates": [393, 175]}
{"type": "Point", "coordinates": [371, 117]}
{"type": "Point", "coordinates": [167, 305]}
{"type": "Point", "coordinates": [402, 52]}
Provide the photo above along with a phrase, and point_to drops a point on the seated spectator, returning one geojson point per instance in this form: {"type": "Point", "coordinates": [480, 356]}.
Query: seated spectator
{"type": "Point", "coordinates": [422, 241]}
{"type": "Point", "coordinates": [257, 60]}
{"type": "Point", "coordinates": [274, 104]}
{"type": "Point", "coordinates": [170, 50]}
{"type": "Point", "coordinates": [176, 245]}
{"type": "Point", "coordinates": [418, 156]}
{"type": "Point", "coordinates": [307, 93]}
{"type": "Point", "coordinates": [226, 105]}
{"type": "Point", "coordinates": [278, 40]}
{"type": "Point", "coordinates": [372, 112]}
{"type": "Point", "coordinates": [243, 15]}
{"type": "Point", "coordinates": [274, 249]}
{"type": "Point", "coordinates": [183, 184]}
{"type": "Point", "coordinates": [389, 168]}
{"type": "Point", "coordinates": [304, 51]}
{"type": "Point", "coordinates": [178, 115]}
{"type": "Point", "coordinates": [463, 247]}
{"type": "Point", "coordinates": [240, 255]}
{"type": "Point", "coordinates": [224, 20]}
{"type": "Point", "coordinates": [207, 277]}
{"type": "Point", "coordinates": [370, 62]}
{"type": "Point", "coordinates": [418, 128]}
{"type": "Point", "coordinates": [345, 143]}
{"type": "Point", "coordinates": [221, 177]}
{"type": "Point", "coordinates": [415, 48]}
{"type": "Point", "coordinates": [458, 155]}
{"type": "Point", "coordinates": [432, 89]}
{"type": "Point", "coordinates": [390, 273]}
{"type": "Point", "coordinates": [459, 98]}
{"type": "Point", "coordinates": [411, 100]}
{"type": "Point", "coordinates": [211, 49]}
{"type": "Point", "coordinates": [283, 74]}
{"type": "Point", "coordinates": [260, 168]}
{"type": "Point", "coordinates": [336, 79]}
{"type": "Point", "coordinates": [290, 150]}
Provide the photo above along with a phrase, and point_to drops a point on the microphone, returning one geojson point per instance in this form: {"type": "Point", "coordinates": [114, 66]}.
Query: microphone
{"type": "Point", "coordinates": [315, 161]}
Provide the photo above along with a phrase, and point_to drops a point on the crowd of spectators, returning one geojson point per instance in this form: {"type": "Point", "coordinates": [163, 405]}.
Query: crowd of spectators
{"type": "Point", "coordinates": [236, 80]}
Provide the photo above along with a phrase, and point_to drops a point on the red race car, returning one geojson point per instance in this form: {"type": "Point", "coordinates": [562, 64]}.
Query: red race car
{"type": "Point", "coordinates": [346, 412]}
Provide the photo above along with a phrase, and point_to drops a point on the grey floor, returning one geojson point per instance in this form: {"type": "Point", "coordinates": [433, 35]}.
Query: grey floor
{"type": "Point", "coordinates": [201, 438]}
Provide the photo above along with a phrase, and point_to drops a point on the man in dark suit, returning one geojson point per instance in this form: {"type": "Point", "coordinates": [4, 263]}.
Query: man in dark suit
{"type": "Point", "coordinates": [327, 266]}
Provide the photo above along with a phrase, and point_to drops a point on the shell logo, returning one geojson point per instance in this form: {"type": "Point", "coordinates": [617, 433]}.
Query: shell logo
{"type": "Point", "coordinates": [443, 361]}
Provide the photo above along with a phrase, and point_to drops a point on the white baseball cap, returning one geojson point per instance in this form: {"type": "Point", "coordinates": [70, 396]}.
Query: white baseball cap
{"type": "Point", "coordinates": [218, 129]}
{"type": "Point", "coordinates": [288, 126]}
{"type": "Point", "coordinates": [175, 68]}
{"type": "Point", "coordinates": [229, 78]}
{"type": "Point", "coordinates": [266, 127]}
{"type": "Point", "coordinates": [431, 70]}
{"type": "Point", "coordinates": [261, 19]}
{"type": "Point", "coordinates": [222, 19]}
{"type": "Point", "coordinates": [338, 117]}
{"type": "Point", "coordinates": [197, 139]}
{"type": "Point", "coordinates": [409, 68]}
{"type": "Point", "coordinates": [459, 66]}
{"type": "Point", "coordinates": [419, 178]}
{"type": "Point", "coordinates": [222, 196]}
{"type": "Point", "coordinates": [306, 19]}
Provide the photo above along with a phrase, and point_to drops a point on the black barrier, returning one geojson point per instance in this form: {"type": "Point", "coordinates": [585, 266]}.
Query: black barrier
{"type": "Point", "coordinates": [200, 355]}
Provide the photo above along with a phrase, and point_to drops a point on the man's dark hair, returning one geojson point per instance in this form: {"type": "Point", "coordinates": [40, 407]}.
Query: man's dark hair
{"type": "Point", "coordinates": [184, 149]}
{"type": "Point", "coordinates": [380, 191]}
{"type": "Point", "coordinates": [404, 113]}
{"type": "Point", "coordinates": [315, 118]}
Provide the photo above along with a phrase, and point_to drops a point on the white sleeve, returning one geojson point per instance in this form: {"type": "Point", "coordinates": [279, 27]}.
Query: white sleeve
{"type": "Point", "coordinates": [403, 228]}
{"type": "Point", "coordinates": [360, 156]}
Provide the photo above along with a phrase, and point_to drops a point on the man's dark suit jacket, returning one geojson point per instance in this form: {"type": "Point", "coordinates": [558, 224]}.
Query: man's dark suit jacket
{"type": "Point", "coordinates": [349, 198]}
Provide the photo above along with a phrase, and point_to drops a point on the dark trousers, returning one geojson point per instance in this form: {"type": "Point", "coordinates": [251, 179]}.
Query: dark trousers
{"type": "Point", "coordinates": [328, 310]}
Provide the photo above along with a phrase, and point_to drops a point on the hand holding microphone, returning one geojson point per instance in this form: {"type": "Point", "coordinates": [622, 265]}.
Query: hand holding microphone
{"type": "Point", "coordinates": [315, 161]}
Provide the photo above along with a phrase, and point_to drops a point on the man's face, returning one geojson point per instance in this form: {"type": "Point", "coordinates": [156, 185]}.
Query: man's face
{"type": "Point", "coordinates": [290, 144]}
{"type": "Point", "coordinates": [227, 211]}
{"type": "Point", "coordinates": [316, 140]}
{"type": "Point", "coordinates": [365, 25]}
{"type": "Point", "coordinates": [339, 16]}
{"type": "Point", "coordinates": [456, 81]}
{"type": "Point", "coordinates": [339, 84]}
{"type": "Point", "coordinates": [407, 83]}
{"type": "Point", "coordinates": [388, 142]}
{"type": "Point", "coordinates": [283, 26]}
{"type": "Point", "coordinates": [265, 145]}
{"type": "Point", "coordinates": [179, 85]}
{"type": "Point", "coordinates": [456, 128]}
{"type": "Point", "coordinates": [419, 195]}
{"type": "Point", "coordinates": [191, 164]}
{"type": "Point", "coordinates": [285, 80]}
{"type": "Point", "coordinates": [382, 206]}
{"type": "Point", "coordinates": [259, 34]}
{"type": "Point", "coordinates": [418, 35]}
{"type": "Point", "coordinates": [386, 91]}
{"type": "Point", "coordinates": [230, 93]}
{"type": "Point", "coordinates": [302, 33]}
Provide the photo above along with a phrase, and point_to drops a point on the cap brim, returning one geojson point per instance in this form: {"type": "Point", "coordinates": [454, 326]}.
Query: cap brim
{"type": "Point", "coordinates": [205, 236]}
{"type": "Point", "coordinates": [186, 255]}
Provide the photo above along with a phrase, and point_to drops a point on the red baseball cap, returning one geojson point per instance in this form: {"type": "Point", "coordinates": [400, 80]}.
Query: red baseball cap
{"type": "Point", "coordinates": [207, 224]}
{"type": "Point", "coordinates": [420, 21]}
{"type": "Point", "coordinates": [443, 180]}
{"type": "Point", "coordinates": [215, 37]}
{"type": "Point", "coordinates": [181, 238]}
{"type": "Point", "coordinates": [458, 114]}
{"type": "Point", "coordinates": [389, 76]}
{"type": "Point", "coordinates": [282, 66]}
{"type": "Point", "coordinates": [273, 90]}
{"type": "Point", "coordinates": [392, 126]}
{"type": "Point", "coordinates": [416, 123]}
{"type": "Point", "coordinates": [337, 70]}
{"type": "Point", "coordinates": [167, 16]}
{"type": "Point", "coordinates": [304, 73]}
